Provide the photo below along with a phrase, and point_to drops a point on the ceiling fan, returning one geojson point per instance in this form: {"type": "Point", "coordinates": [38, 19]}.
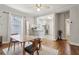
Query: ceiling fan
{"type": "Point", "coordinates": [40, 6]}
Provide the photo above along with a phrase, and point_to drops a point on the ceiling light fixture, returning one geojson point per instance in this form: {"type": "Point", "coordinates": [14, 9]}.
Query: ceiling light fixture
{"type": "Point", "coordinates": [38, 9]}
{"type": "Point", "coordinates": [40, 6]}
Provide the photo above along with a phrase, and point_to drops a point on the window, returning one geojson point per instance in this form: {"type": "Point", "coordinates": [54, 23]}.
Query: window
{"type": "Point", "coordinates": [16, 24]}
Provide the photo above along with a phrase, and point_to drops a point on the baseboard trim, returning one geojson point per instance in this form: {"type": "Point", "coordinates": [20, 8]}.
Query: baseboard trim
{"type": "Point", "coordinates": [5, 42]}
{"type": "Point", "coordinates": [73, 43]}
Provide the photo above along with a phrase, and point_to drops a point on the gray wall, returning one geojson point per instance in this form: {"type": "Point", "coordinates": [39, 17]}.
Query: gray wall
{"type": "Point", "coordinates": [74, 17]}
{"type": "Point", "coordinates": [56, 24]}
{"type": "Point", "coordinates": [4, 18]}
{"type": "Point", "coordinates": [74, 26]}
{"type": "Point", "coordinates": [60, 22]}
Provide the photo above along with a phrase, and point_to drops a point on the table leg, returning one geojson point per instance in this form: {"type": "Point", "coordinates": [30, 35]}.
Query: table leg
{"type": "Point", "coordinates": [39, 45]}
{"type": "Point", "coordinates": [9, 45]}
{"type": "Point", "coordinates": [23, 48]}
{"type": "Point", "coordinates": [21, 44]}
{"type": "Point", "coordinates": [14, 46]}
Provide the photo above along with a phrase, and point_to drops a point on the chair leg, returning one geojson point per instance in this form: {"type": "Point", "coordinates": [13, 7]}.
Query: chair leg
{"type": "Point", "coordinates": [18, 44]}
{"type": "Point", "coordinates": [14, 46]}
{"type": "Point", "coordinates": [21, 44]}
{"type": "Point", "coordinates": [9, 46]}
{"type": "Point", "coordinates": [37, 52]}
{"type": "Point", "coordinates": [23, 48]}
{"type": "Point", "coordinates": [32, 53]}
{"type": "Point", "coordinates": [40, 46]}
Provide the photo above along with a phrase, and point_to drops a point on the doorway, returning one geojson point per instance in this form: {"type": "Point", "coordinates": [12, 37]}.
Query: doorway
{"type": "Point", "coordinates": [64, 24]}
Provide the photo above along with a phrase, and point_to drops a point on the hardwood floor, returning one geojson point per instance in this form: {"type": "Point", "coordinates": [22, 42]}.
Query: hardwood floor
{"type": "Point", "coordinates": [74, 50]}
{"type": "Point", "coordinates": [63, 47]}
{"type": "Point", "coordinates": [2, 47]}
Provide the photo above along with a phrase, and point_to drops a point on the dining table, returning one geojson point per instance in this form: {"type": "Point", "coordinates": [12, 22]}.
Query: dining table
{"type": "Point", "coordinates": [25, 39]}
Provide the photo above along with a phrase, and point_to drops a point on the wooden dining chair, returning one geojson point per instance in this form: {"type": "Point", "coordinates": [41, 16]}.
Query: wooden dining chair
{"type": "Point", "coordinates": [35, 46]}
{"type": "Point", "coordinates": [13, 42]}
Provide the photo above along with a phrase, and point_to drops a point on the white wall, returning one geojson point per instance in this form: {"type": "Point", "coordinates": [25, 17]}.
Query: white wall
{"type": "Point", "coordinates": [5, 21]}
{"type": "Point", "coordinates": [4, 25]}
{"type": "Point", "coordinates": [56, 25]}
{"type": "Point", "coordinates": [60, 22]}
{"type": "Point", "coordinates": [74, 17]}
{"type": "Point", "coordinates": [74, 26]}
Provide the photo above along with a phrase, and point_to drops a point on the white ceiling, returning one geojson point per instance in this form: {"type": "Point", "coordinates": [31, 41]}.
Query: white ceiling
{"type": "Point", "coordinates": [28, 8]}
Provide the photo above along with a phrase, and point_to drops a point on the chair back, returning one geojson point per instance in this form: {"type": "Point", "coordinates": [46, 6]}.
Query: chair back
{"type": "Point", "coordinates": [36, 43]}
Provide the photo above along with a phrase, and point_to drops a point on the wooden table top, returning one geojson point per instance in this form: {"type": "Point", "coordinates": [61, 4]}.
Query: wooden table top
{"type": "Point", "coordinates": [26, 39]}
